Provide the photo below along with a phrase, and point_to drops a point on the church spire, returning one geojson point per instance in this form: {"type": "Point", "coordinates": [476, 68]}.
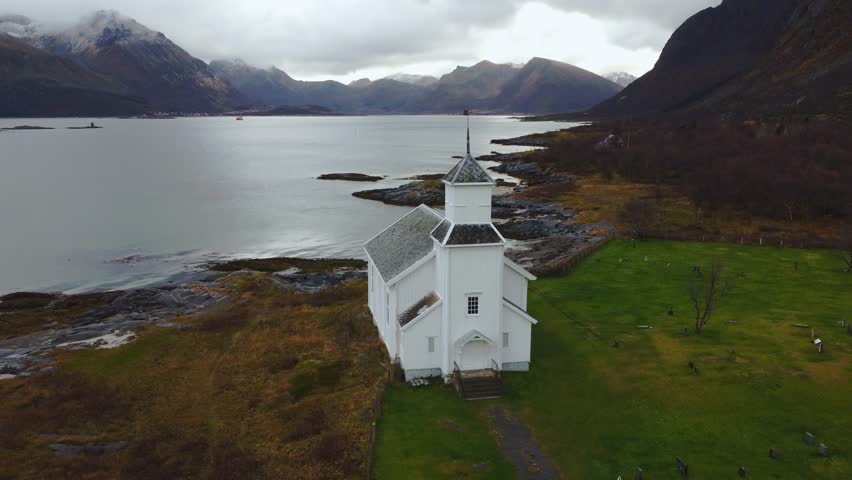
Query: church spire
{"type": "Point", "coordinates": [467, 114]}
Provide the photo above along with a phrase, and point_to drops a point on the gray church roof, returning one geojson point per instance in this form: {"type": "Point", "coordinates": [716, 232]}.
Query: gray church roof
{"type": "Point", "coordinates": [404, 243]}
{"type": "Point", "coordinates": [475, 234]}
{"type": "Point", "coordinates": [441, 230]}
{"type": "Point", "coordinates": [419, 307]}
{"type": "Point", "coordinates": [468, 171]}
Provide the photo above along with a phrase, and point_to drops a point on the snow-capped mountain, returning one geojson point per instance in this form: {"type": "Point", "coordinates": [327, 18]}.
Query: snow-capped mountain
{"type": "Point", "coordinates": [103, 29]}
{"type": "Point", "coordinates": [622, 78]}
{"type": "Point", "coordinates": [146, 62]}
{"type": "Point", "coordinates": [421, 80]}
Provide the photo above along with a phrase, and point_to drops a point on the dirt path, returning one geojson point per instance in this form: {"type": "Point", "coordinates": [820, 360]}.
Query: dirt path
{"type": "Point", "coordinates": [523, 452]}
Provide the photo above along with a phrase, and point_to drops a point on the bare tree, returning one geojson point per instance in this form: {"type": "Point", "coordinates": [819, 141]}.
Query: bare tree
{"type": "Point", "coordinates": [639, 217]}
{"type": "Point", "coordinates": [705, 288]}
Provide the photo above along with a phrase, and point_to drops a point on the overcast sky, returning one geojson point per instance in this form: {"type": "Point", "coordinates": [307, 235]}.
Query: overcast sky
{"type": "Point", "coordinates": [346, 40]}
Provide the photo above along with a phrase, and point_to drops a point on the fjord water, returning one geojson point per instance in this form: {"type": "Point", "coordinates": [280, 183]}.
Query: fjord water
{"type": "Point", "coordinates": [141, 200]}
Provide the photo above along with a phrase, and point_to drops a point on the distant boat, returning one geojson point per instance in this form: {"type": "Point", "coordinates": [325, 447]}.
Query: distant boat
{"type": "Point", "coordinates": [240, 117]}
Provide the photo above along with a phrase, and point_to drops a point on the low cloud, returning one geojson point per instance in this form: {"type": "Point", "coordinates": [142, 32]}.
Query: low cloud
{"type": "Point", "coordinates": [338, 38]}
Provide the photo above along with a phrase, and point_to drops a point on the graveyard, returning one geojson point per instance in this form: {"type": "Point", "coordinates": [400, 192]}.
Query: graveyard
{"type": "Point", "coordinates": [620, 379]}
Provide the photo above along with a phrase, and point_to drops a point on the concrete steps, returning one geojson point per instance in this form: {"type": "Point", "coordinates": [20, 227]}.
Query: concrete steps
{"type": "Point", "coordinates": [480, 388]}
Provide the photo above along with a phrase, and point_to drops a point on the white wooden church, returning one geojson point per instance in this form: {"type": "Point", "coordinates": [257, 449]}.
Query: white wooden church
{"type": "Point", "coordinates": [443, 296]}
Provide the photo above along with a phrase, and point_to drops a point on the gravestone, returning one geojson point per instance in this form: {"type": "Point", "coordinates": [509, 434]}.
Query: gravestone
{"type": "Point", "coordinates": [809, 438]}
{"type": "Point", "coordinates": [691, 365]}
{"type": "Point", "coordinates": [685, 331]}
{"type": "Point", "coordinates": [819, 347]}
{"type": "Point", "coordinates": [773, 454]}
{"type": "Point", "coordinates": [823, 450]}
{"type": "Point", "coordinates": [695, 370]}
{"type": "Point", "coordinates": [638, 474]}
{"type": "Point", "coordinates": [741, 471]}
{"type": "Point", "coordinates": [671, 311]}
{"type": "Point", "coordinates": [682, 467]}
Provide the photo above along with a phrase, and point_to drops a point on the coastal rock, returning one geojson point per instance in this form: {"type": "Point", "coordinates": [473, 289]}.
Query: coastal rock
{"type": "Point", "coordinates": [351, 177]}
{"type": "Point", "coordinates": [313, 281]}
{"type": "Point", "coordinates": [499, 157]}
{"type": "Point", "coordinates": [508, 207]}
{"type": "Point", "coordinates": [529, 229]}
{"type": "Point", "coordinates": [548, 255]}
{"type": "Point", "coordinates": [505, 183]}
{"type": "Point", "coordinates": [524, 141]}
{"type": "Point", "coordinates": [106, 326]}
{"type": "Point", "coordinates": [27, 127]}
{"type": "Point", "coordinates": [411, 194]}
{"type": "Point", "coordinates": [531, 172]}
{"type": "Point", "coordinates": [610, 143]}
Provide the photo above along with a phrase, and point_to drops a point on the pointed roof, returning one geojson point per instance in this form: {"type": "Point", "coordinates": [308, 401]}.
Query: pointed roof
{"type": "Point", "coordinates": [404, 243]}
{"type": "Point", "coordinates": [468, 171]}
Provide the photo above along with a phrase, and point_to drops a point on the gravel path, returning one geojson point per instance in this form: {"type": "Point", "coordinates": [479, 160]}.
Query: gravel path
{"type": "Point", "coordinates": [516, 442]}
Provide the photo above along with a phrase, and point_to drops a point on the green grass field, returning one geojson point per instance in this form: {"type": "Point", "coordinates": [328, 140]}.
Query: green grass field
{"type": "Point", "coordinates": [602, 411]}
{"type": "Point", "coordinates": [429, 433]}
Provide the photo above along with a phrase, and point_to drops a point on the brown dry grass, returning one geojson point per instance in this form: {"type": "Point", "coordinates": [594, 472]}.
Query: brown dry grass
{"type": "Point", "coordinates": [273, 384]}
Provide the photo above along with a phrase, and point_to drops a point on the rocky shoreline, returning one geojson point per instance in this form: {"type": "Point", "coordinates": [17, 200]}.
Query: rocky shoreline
{"type": "Point", "coordinates": [111, 319]}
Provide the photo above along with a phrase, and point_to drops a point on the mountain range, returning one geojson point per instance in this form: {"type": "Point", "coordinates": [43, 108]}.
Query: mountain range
{"type": "Point", "coordinates": [124, 68]}
{"type": "Point", "coordinates": [750, 56]}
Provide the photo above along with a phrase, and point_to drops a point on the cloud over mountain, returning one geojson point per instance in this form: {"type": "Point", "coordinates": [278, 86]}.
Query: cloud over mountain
{"type": "Point", "coordinates": [339, 37]}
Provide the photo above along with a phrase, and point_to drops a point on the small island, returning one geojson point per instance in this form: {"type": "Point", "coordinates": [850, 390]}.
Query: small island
{"type": "Point", "coordinates": [27, 127]}
{"type": "Point", "coordinates": [350, 177]}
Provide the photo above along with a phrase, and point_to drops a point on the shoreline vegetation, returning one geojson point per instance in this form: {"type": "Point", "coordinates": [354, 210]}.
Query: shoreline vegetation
{"type": "Point", "coordinates": [236, 373]}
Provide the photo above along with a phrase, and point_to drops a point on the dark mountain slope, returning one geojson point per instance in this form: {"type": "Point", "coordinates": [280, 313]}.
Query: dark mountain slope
{"type": "Point", "coordinates": [544, 85]}
{"type": "Point", "coordinates": [712, 48]}
{"type": "Point", "coordinates": [751, 57]}
{"type": "Point", "coordinates": [809, 70]}
{"type": "Point", "coordinates": [36, 83]}
{"type": "Point", "coordinates": [270, 87]}
{"type": "Point", "coordinates": [468, 87]}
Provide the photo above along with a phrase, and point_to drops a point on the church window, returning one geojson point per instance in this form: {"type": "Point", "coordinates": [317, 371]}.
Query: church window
{"type": "Point", "coordinates": [473, 305]}
{"type": "Point", "coordinates": [431, 344]}
{"type": "Point", "coordinates": [505, 339]}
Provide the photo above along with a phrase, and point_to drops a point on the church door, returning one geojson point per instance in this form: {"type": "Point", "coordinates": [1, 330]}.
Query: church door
{"type": "Point", "coordinates": [476, 355]}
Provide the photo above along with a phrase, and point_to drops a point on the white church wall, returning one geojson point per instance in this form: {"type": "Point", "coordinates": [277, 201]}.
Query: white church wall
{"type": "Point", "coordinates": [475, 271]}
{"type": "Point", "coordinates": [415, 286]}
{"type": "Point", "coordinates": [392, 324]}
{"type": "Point", "coordinates": [517, 355]}
{"type": "Point", "coordinates": [379, 302]}
{"type": "Point", "coordinates": [469, 204]}
{"type": "Point", "coordinates": [416, 357]}
{"type": "Point", "coordinates": [514, 287]}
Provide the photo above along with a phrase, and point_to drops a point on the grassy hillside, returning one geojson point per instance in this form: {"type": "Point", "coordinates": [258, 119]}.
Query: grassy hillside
{"type": "Point", "coordinates": [271, 384]}
{"type": "Point", "coordinates": [601, 411]}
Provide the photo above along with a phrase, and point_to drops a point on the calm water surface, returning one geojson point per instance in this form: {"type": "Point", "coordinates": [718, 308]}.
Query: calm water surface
{"type": "Point", "coordinates": [140, 200]}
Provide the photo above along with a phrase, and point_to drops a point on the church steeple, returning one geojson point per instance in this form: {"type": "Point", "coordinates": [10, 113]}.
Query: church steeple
{"type": "Point", "coordinates": [468, 189]}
